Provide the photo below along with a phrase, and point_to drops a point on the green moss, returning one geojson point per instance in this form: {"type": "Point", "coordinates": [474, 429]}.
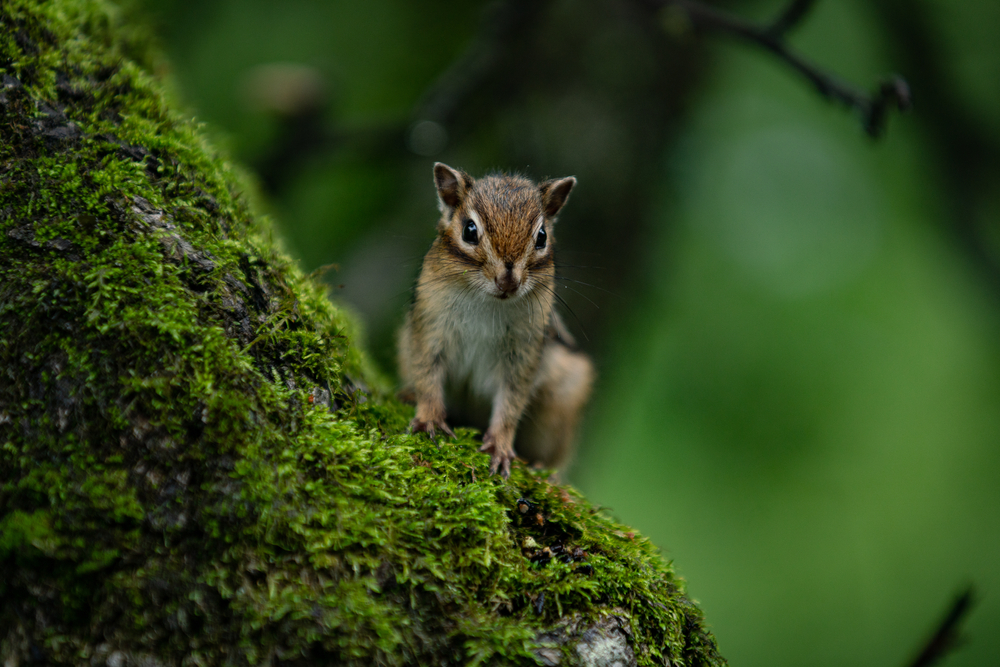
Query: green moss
{"type": "Point", "coordinates": [22, 533]}
{"type": "Point", "coordinates": [196, 463]}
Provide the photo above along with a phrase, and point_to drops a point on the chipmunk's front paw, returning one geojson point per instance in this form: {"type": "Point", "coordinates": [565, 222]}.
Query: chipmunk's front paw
{"type": "Point", "coordinates": [501, 454]}
{"type": "Point", "coordinates": [430, 427]}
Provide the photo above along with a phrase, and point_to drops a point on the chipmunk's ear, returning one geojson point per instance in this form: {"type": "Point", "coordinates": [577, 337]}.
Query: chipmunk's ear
{"type": "Point", "coordinates": [452, 185]}
{"type": "Point", "coordinates": [555, 193]}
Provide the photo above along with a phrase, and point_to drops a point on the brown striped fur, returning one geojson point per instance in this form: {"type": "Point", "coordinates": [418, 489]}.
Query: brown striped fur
{"type": "Point", "coordinates": [482, 342]}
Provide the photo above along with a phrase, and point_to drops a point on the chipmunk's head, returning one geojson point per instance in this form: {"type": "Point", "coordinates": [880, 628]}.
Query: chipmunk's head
{"type": "Point", "coordinates": [497, 231]}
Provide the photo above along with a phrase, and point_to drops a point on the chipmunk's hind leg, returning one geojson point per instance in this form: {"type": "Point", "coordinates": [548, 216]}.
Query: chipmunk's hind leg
{"type": "Point", "coordinates": [547, 429]}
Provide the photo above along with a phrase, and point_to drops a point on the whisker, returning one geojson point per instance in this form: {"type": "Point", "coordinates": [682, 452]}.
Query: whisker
{"type": "Point", "coordinates": [583, 330]}
{"type": "Point", "coordinates": [580, 282]}
{"type": "Point", "coordinates": [561, 300]}
{"type": "Point", "coordinates": [581, 294]}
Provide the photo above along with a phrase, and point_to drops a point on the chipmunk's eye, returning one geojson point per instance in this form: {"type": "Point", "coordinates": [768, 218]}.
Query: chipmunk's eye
{"type": "Point", "coordinates": [541, 239]}
{"type": "Point", "coordinates": [470, 233]}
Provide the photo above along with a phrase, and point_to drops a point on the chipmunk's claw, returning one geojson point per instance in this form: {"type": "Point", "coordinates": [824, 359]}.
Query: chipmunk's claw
{"type": "Point", "coordinates": [500, 457]}
{"type": "Point", "coordinates": [430, 428]}
{"type": "Point", "coordinates": [501, 463]}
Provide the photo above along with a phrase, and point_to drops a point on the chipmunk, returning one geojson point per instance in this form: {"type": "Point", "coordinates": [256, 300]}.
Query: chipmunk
{"type": "Point", "coordinates": [482, 342]}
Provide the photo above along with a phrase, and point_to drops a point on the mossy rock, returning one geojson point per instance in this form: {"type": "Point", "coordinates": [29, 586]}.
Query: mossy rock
{"type": "Point", "coordinates": [197, 465]}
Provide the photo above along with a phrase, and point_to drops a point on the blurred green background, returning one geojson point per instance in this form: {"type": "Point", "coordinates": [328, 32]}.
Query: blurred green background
{"type": "Point", "coordinates": [796, 326]}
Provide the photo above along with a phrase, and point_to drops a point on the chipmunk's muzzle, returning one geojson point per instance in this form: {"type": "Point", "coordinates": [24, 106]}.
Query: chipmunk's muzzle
{"type": "Point", "coordinates": [507, 283]}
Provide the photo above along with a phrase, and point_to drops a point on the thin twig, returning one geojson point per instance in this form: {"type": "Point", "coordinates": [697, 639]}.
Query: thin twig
{"type": "Point", "coordinates": [873, 108]}
{"type": "Point", "coordinates": [946, 637]}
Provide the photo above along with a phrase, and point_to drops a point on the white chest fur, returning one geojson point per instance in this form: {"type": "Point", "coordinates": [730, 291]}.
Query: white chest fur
{"type": "Point", "coordinates": [485, 338]}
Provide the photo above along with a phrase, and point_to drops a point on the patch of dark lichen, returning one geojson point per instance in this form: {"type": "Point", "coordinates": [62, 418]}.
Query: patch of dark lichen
{"type": "Point", "coordinates": [196, 464]}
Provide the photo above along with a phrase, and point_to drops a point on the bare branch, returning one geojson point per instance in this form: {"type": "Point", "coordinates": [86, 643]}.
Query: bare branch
{"type": "Point", "coordinates": [873, 108]}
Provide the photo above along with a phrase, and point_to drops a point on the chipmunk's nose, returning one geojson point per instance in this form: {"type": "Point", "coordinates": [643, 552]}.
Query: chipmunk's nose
{"type": "Point", "coordinates": [507, 283]}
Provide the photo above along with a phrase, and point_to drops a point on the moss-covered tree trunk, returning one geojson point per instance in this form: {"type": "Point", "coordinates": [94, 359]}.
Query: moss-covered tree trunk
{"type": "Point", "coordinates": [197, 467]}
